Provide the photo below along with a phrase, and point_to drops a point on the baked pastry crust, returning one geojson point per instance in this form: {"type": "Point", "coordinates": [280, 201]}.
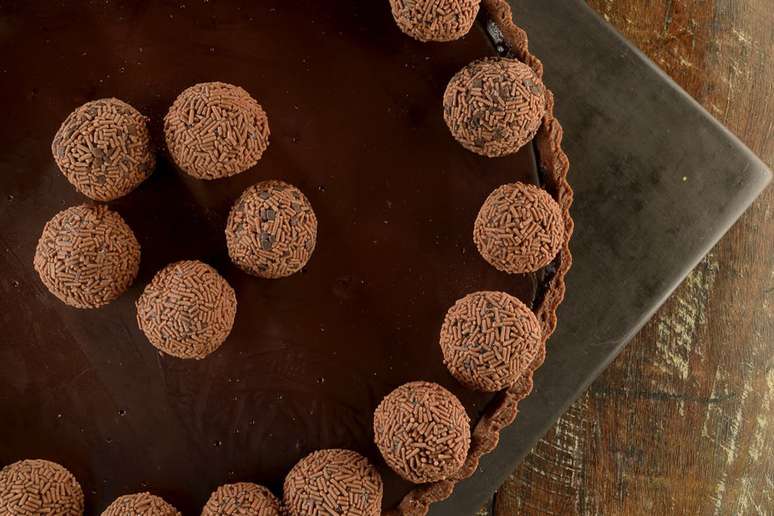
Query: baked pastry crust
{"type": "Point", "coordinates": [554, 164]}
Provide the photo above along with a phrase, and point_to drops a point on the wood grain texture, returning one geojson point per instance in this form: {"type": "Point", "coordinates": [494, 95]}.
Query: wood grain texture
{"type": "Point", "coordinates": [683, 420]}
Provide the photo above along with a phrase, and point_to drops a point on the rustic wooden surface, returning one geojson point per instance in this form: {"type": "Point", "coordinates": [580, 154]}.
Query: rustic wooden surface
{"type": "Point", "coordinates": [682, 422]}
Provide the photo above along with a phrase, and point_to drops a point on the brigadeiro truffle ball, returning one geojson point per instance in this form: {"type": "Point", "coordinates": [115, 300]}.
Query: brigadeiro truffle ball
{"type": "Point", "coordinates": [494, 106]}
{"type": "Point", "coordinates": [187, 310]}
{"type": "Point", "coordinates": [489, 339]}
{"type": "Point", "coordinates": [242, 499]}
{"type": "Point", "coordinates": [215, 130]}
{"type": "Point", "coordinates": [103, 149]}
{"type": "Point", "coordinates": [339, 482]}
{"type": "Point", "coordinates": [435, 20]}
{"type": "Point", "coordinates": [422, 431]}
{"type": "Point", "coordinates": [271, 230]}
{"type": "Point", "coordinates": [519, 228]}
{"type": "Point", "coordinates": [87, 256]}
{"type": "Point", "coordinates": [35, 487]}
{"type": "Point", "coordinates": [140, 504]}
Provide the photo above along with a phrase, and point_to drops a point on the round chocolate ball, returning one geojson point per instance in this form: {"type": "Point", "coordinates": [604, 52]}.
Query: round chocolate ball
{"type": "Point", "coordinates": [140, 504]}
{"type": "Point", "coordinates": [422, 431]}
{"type": "Point", "coordinates": [435, 20]}
{"type": "Point", "coordinates": [87, 256]}
{"type": "Point", "coordinates": [216, 130]}
{"type": "Point", "coordinates": [488, 340]}
{"type": "Point", "coordinates": [34, 487]}
{"type": "Point", "coordinates": [494, 106]}
{"type": "Point", "coordinates": [333, 482]}
{"type": "Point", "coordinates": [103, 149]}
{"type": "Point", "coordinates": [519, 228]}
{"type": "Point", "coordinates": [187, 310]}
{"type": "Point", "coordinates": [242, 499]}
{"type": "Point", "coordinates": [271, 230]}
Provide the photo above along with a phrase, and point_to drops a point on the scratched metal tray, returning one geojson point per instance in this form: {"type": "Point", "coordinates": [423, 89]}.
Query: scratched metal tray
{"type": "Point", "coordinates": [658, 182]}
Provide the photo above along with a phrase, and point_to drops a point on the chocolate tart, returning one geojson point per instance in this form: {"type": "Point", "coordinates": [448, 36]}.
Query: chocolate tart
{"type": "Point", "coordinates": [356, 123]}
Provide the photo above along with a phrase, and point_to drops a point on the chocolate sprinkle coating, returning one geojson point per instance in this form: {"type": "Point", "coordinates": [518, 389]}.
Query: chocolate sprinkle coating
{"type": "Point", "coordinates": [187, 310]}
{"type": "Point", "coordinates": [340, 482]}
{"type": "Point", "coordinates": [489, 339]}
{"type": "Point", "coordinates": [38, 487]}
{"type": "Point", "coordinates": [271, 230]}
{"type": "Point", "coordinates": [519, 228]}
{"type": "Point", "coordinates": [435, 20]}
{"type": "Point", "coordinates": [216, 130]}
{"type": "Point", "coordinates": [422, 431]}
{"type": "Point", "coordinates": [494, 106]}
{"type": "Point", "coordinates": [140, 504]}
{"type": "Point", "coordinates": [242, 499]}
{"type": "Point", "coordinates": [103, 149]}
{"type": "Point", "coordinates": [87, 256]}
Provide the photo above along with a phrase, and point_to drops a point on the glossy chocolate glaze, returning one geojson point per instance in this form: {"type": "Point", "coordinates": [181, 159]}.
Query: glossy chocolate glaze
{"type": "Point", "coordinates": [355, 112]}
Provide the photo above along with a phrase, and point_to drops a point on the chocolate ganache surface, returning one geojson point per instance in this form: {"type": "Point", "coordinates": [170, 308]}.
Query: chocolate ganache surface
{"type": "Point", "coordinates": [354, 107]}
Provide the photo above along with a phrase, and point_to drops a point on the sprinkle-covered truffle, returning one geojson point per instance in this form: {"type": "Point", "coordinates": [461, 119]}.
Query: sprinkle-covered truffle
{"type": "Point", "coordinates": [422, 431]}
{"type": "Point", "coordinates": [103, 149]}
{"type": "Point", "coordinates": [35, 487]}
{"type": "Point", "coordinates": [242, 499]}
{"type": "Point", "coordinates": [494, 106]}
{"type": "Point", "coordinates": [435, 20]}
{"type": "Point", "coordinates": [87, 256]}
{"type": "Point", "coordinates": [187, 310]}
{"type": "Point", "coordinates": [339, 482]}
{"type": "Point", "coordinates": [140, 504]}
{"type": "Point", "coordinates": [519, 228]}
{"type": "Point", "coordinates": [488, 340]}
{"type": "Point", "coordinates": [271, 230]}
{"type": "Point", "coordinates": [215, 130]}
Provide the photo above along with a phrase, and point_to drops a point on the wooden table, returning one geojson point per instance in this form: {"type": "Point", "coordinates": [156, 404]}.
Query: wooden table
{"type": "Point", "coordinates": [682, 422]}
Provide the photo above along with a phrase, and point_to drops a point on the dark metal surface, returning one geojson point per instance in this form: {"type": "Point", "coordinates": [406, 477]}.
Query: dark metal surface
{"type": "Point", "coordinates": [658, 182]}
